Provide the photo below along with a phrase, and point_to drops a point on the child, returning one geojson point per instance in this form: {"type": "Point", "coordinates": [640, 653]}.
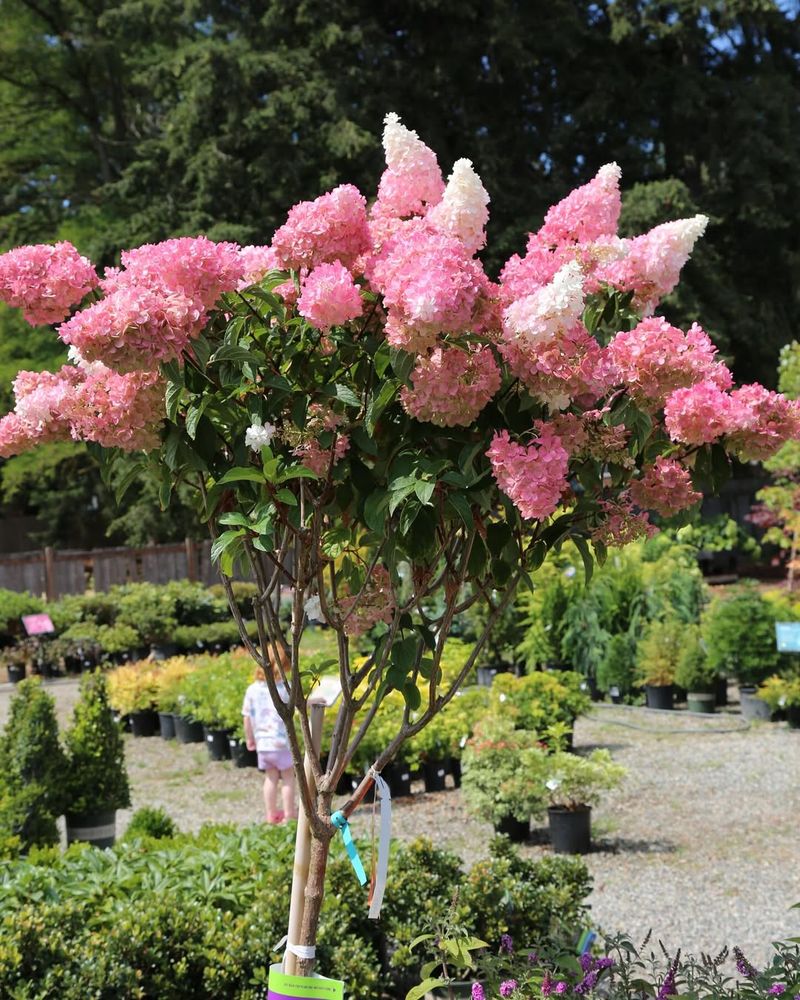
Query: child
{"type": "Point", "coordinates": [265, 733]}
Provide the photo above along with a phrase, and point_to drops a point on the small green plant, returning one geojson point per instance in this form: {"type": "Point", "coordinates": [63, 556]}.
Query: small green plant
{"type": "Point", "coordinates": [133, 687]}
{"type": "Point", "coordinates": [150, 610]}
{"type": "Point", "coordinates": [780, 692]}
{"type": "Point", "coordinates": [32, 767]}
{"type": "Point", "coordinates": [573, 782]}
{"type": "Point", "coordinates": [540, 699]}
{"type": "Point", "coordinates": [739, 632]}
{"type": "Point", "coordinates": [499, 776]}
{"type": "Point", "coordinates": [150, 822]}
{"type": "Point", "coordinates": [618, 666]}
{"type": "Point", "coordinates": [658, 652]}
{"type": "Point", "coordinates": [693, 671]}
{"type": "Point", "coordinates": [13, 606]}
{"type": "Point", "coordinates": [96, 778]}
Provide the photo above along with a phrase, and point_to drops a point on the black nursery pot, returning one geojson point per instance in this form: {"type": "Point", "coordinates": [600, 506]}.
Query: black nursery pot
{"type": "Point", "coordinates": [434, 774]}
{"type": "Point", "coordinates": [516, 830]}
{"type": "Point", "coordinates": [16, 672]}
{"type": "Point", "coordinates": [217, 743]}
{"type": "Point", "coordinates": [455, 770]}
{"type": "Point", "coordinates": [793, 716]}
{"type": "Point", "coordinates": [661, 696]}
{"type": "Point", "coordinates": [144, 722]}
{"type": "Point", "coordinates": [570, 829]}
{"type": "Point", "coordinates": [754, 709]}
{"type": "Point", "coordinates": [166, 725]}
{"type": "Point", "coordinates": [721, 691]}
{"type": "Point", "coordinates": [240, 755]}
{"type": "Point", "coordinates": [98, 828]}
{"type": "Point", "coordinates": [397, 776]}
{"type": "Point", "coordinates": [187, 730]}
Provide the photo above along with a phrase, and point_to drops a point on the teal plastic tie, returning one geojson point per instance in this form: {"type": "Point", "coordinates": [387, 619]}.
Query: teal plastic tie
{"type": "Point", "coordinates": [339, 820]}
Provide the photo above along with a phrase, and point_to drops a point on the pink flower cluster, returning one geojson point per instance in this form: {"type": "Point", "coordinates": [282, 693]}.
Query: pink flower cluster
{"type": "Point", "coordinates": [586, 214]}
{"type": "Point", "coordinates": [451, 386]}
{"type": "Point", "coordinates": [754, 420]}
{"type": "Point", "coordinates": [430, 285]}
{"type": "Point", "coordinates": [654, 359]}
{"type": "Point", "coordinates": [463, 211]}
{"type": "Point", "coordinates": [412, 180]}
{"type": "Point", "coordinates": [329, 296]}
{"type": "Point", "coordinates": [256, 261]}
{"type": "Point", "coordinates": [318, 459]}
{"type": "Point", "coordinates": [534, 477]}
{"type": "Point", "coordinates": [45, 281]}
{"type": "Point", "coordinates": [90, 403]}
{"type": "Point", "coordinates": [653, 262]}
{"type": "Point", "coordinates": [375, 604]}
{"type": "Point", "coordinates": [588, 436]}
{"type": "Point", "coordinates": [665, 487]}
{"type": "Point", "coordinates": [135, 328]}
{"type": "Point", "coordinates": [193, 266]}
{"type": "Point", "coordinates": [332, 227]}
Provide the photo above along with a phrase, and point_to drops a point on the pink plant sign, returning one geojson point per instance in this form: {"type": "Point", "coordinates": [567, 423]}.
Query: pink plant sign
{"type": "Point", "coordinates": [37, 624]}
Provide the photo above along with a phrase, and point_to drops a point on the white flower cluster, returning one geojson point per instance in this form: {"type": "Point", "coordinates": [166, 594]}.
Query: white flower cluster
{"type": "Point", "coordinates": [463, 211]}
{"type": "Point", "coordinates": [539, 318]}
{"type": "Point", "coordinates": [258, 437]}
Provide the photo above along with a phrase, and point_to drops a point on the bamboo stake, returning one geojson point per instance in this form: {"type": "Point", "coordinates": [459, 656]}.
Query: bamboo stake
{"type": "Point", "coordinates": [302, 846]}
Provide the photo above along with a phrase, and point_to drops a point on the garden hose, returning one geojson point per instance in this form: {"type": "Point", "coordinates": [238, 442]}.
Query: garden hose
{"type": "Point", "coordinates": [742, 726]}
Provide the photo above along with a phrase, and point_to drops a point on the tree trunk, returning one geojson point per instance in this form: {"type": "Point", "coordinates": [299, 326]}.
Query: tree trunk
{"type": "Point", "coordinates": [315, 890]}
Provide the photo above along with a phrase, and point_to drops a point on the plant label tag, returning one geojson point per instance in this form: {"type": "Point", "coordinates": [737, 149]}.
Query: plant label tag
{"type": "Point", "coordinates": [614, 692]}
{"type": "Point", "coordinates": [787, 635]}
{"type": "Point", "coordinates": [283, 987]}
{"type": "Point", "coordinates": [327, 691]}
{"type": "Point", "coordinates": [37, 624]}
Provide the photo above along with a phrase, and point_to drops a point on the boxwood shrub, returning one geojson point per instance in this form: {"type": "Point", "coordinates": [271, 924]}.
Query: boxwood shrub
{"type": "Point", "coordinates": [197, 916]}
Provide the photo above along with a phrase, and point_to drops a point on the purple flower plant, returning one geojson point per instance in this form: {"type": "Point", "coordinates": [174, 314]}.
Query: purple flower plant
{"type": "Point", "coordinates": [508, 987]}
{"type": "Point", "coordinates": [477, 992]}
{"type": "Point", "coordinates": [777, 989]}
{"type": "Point", "coordinates": [506, 944]}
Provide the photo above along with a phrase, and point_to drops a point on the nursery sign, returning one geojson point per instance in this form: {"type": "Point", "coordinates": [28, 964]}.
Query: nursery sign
{"type": "Point", "coordinates": [37, 624]}
{"type": "Point", "coordinates": [788, 636]}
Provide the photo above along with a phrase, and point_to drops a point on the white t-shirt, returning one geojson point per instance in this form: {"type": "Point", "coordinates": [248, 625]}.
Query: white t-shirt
{"type": "Point", "coordinates": [268, 727]}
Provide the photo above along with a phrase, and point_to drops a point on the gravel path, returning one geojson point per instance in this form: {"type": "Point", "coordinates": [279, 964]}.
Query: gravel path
{"type": "Point", "coordinates": [701, 841]}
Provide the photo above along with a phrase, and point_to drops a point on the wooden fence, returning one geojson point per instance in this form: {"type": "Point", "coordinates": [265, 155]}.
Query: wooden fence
{"type": "Point", "coordinates": [53, 573]}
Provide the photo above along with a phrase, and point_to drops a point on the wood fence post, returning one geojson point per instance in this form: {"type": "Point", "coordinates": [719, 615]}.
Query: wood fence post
{"type": "Point", "coordinates": [191, 560]}
{"type": "Point", "coordinates": [50, 573]}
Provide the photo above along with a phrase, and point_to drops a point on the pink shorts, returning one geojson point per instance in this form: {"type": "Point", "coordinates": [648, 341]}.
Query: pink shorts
{"type": "Point", "coordinates": [274, 760]}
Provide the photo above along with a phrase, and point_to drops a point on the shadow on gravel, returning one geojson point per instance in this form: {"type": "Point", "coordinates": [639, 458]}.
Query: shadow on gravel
{"type": "Point", "coordinates": [611, 747]}
{"type": "Point", "coordinates": [624, 845]}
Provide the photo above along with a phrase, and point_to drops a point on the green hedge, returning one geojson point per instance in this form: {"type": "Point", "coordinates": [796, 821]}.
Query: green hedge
{"type": "Point", "coordinates": [197, 916]}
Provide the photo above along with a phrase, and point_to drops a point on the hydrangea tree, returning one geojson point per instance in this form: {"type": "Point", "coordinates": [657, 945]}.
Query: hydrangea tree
{"type": "Point", "coordinates": [370, 419]}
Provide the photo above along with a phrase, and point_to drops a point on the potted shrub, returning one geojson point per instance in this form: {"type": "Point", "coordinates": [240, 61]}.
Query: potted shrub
{"type": "Point", "coordinates": [150, 610]}
{"type": "Point", "coordinates": [574, 784]}
{"type": "Point", "coordinates": [15, 659]}
{"type": "Point", "coordinates": [32, 766]}
{"type": "Point", "coordinates": [541, 699]}
{"type": "Point", "coordinates": [96, 781]}
{"type": "Point", "coordinates": [132, 692]}
{"type": "Point", "coordinates": [168, 692]}
{"type": "Point", "coordinates": [498, 780]}
{"type": "Point", "coordinates": [656, 661]}
{"type": "Point", "coordinates": [694, 674]}
{"type": "Point", "coordinates": [782, 693]}
{"type": "Point", "coordinates": [615, 674]}
{"type": "Point", "coordinates": [739, 632]}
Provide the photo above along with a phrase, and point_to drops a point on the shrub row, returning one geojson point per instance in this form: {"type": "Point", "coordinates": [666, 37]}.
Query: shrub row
{"type": "Point", "coordinates": [197, 916]}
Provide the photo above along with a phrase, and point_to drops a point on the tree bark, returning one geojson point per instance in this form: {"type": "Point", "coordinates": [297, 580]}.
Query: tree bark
{"type": "Point", "coordinates": [315, 891]}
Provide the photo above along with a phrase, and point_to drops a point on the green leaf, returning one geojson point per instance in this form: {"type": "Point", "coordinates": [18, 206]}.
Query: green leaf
{"type": "Point", "coordinates": [417, 992]}
{"type": "Point", "coordinates": [343, 393]}
{"type": "Point", "coordinates": [234, 353]}
{"type": "Point", "coordinates": [242, 474]}
{"type": "Point", "coordinates": [173, 400]}
{"type": "Point", "coordinates": [588, 562]}
{"type": "Point", "coordinates": [225, 540]}
{"type": "Point", "coordinates": [402, 363]}
{"type": "Point", "coordinates": [404, 653]}
{"type": "Point", "coordinates": [296, 472]}
{"type": "Point", "coordinates": [424, 490]}
{"type": "Point", "coordinates": [286, 496]}
{"type": "Point", "coordinates": [193, 415]}
{"type": "Point", "coordinates": [377, 404]}
{"type": "Point", "coordinates": [234, 517]}
{"type": "Point", "coordinates": [412, 695]}
{"type": "Point", "coordinates": [375, 511]}
{"type": "Point", "coordinates": [461, 506]}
